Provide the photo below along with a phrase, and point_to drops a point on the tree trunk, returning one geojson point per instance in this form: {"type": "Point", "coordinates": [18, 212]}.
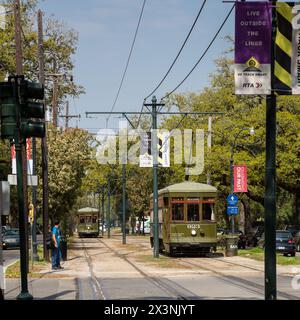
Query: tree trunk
{"type": "Point", "coordinates": [247, 217]}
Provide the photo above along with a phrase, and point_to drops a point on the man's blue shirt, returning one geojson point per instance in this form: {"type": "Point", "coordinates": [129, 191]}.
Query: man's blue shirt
{"type": "Point", "coordinates": [56, 233]}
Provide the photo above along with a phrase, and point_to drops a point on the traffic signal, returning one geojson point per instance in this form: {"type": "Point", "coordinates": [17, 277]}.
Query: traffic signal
{"type": "Point", "coordinates": [8, 110]}
{"type": "Point", "coordinates": [32, 112]}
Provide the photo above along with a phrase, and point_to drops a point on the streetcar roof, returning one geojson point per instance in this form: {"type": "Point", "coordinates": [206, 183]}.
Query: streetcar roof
{"type": "Point", "coordinates": [188, 187]}
{"type": "Point", "coordinates": [87, 210]}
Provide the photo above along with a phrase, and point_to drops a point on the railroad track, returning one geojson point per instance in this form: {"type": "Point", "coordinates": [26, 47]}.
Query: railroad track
{"type": "Point", "coordinates": [233, 280]}
{"type": "Point", "coordinates": [167, 288]}
{"type": "Point", "coordinates": [93, 281]}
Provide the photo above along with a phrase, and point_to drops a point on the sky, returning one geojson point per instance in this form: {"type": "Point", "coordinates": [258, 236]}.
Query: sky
{"type": "Point", "coordinates": [106, 29]}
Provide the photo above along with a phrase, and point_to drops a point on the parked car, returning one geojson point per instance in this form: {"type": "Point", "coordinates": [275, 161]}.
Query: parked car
{"type": "Point", "coordinates": [285, 243]}
{"type": "Point", "coordinates": [11, 239]}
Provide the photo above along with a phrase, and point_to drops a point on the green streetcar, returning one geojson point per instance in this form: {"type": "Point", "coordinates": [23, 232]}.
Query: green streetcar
{"type": "Point", "coordinates": [88, 222]}
{"type": "Point", "coordinates": [186, 218]}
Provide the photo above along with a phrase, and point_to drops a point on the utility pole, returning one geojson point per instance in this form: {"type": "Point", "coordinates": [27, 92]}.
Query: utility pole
{"type": "Point", "coordinates": [54, 96]}
{"type": "Point", "coordinates": [154, 106]}
{"type": "Point", "coordinates": [270, 181]}
{"type": "Point", "coordinates": [67, 115]}
{"type": "Point", "coordinates": [124, 202]}
{"type": "Point", "coordinates": [44, 141]}
{"type": "Point", "coordinates": [21, 160]}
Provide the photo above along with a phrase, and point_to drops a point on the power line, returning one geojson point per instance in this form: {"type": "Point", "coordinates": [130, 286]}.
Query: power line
{"type": "Point", "coordinates": [179, 52]}
{"type": "Point", "coordinates": [202, 56]}
{"type": "Point", "coordinates": [128, 60]}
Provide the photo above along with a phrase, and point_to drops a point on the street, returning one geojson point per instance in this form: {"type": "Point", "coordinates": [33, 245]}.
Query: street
{"type": "Point", "coordinates": [104, 269]}
{"type": "Point", "coordinates": [12, 255]}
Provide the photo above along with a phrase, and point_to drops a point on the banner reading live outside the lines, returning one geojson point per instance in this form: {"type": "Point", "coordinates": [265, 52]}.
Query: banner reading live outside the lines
{"type": "Point", "coordinates": [253, 38]}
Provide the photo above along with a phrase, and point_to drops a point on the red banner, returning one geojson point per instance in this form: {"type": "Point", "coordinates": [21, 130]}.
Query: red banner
{"type": "Point", "coordinates": [240, 179]}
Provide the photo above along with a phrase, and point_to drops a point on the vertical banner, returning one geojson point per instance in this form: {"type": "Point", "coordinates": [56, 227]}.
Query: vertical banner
{"type": "Point", "coordinates": [253, 37]}
{"type": "Point", "coordinates": [240, 179]}
{"type": "Point", "coordinates": [29, 158]}
{"type": "Point", "coordinates": [287, 49]}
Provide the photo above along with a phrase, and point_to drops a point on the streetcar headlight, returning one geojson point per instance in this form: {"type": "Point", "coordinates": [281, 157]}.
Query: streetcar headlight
{"type": "Point", "coordinates": [194, 232]}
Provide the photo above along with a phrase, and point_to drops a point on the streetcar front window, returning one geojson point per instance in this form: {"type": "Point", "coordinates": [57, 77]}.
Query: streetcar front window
{"type": "Point", "coordinates": [94, 219]}
{"type": "Point", "coordinates": [193, 212]}
{"type": "Point", "coordinates": [88, 219]}
{"type": "Point", "coordinates": [81, 219]}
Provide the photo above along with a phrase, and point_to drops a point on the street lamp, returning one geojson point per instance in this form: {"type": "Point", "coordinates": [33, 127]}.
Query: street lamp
{"type": "Point", "coordinates": [232, 147]}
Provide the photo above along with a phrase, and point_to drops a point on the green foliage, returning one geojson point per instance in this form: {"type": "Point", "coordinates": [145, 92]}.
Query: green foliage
{"type": "Point", "coordinates": [69, 153]}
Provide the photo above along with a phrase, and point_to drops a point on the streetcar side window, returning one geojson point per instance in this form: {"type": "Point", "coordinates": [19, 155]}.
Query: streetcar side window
{"type": "Point", "coordinates": [207, 211]}
{"type": "Point", "coordinates": [193, 212]}
{"type": "Point", "coordinates": [81, 219]}
{"type": "Point", "coordinates": [177, 211]}
{"type": "Point", "coordinates": [94, 219]}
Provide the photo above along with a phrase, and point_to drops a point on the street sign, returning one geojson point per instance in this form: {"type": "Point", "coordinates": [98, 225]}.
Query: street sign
{"type": "Point", "coordinates": [232, 210]}
{"type": "Point", "coordinates": [31, 180]}
{"type": "Point", "coordinates": [232, 200]}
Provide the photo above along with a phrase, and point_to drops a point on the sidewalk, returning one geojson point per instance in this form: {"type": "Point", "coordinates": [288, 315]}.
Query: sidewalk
{"type": "Point", "coordinates": [43, 289]}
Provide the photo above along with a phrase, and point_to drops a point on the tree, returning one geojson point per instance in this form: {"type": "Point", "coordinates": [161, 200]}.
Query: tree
{"type": "Point", "coordinates": [69, 153]}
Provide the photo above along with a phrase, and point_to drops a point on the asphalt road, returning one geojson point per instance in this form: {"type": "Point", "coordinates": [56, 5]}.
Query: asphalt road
{"type": "Point", "coordinates": [12, 255]}
{"type": "Point", "coordinates": [112, 274]}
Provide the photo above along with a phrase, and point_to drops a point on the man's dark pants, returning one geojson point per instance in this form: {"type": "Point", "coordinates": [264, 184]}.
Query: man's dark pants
{"type": "Point", "coordinates": [55, 258]}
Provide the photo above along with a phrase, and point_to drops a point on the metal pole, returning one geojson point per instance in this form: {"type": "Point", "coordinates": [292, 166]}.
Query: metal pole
{"type": "Point", "coordinates": [24, 295]}
{"type": "Point", "coordinates": [21, 160]}
{"type": "Point", "coordinates": [108, 208]}
{"type": "Point", "coordinates": [155, 180]}
{"type": "Point", "coordinates": [209, 146]}
{"type": "Point", "coordinates": [124, 202]}
{"type": "Point", "coordinates": [270, 184]}
{"type": "Point", "coordinates": [99, 208]}
{"type": "Point", "coordinates": [35, 256]}
{"type": "Point", "coordinates": [103, 216]}
{"type": "Point", "coordinates": [231, 184]}
{"type": "Point", "coordinates": [44, 141]}
{"type": "Point", "coordinates": [1, 250]}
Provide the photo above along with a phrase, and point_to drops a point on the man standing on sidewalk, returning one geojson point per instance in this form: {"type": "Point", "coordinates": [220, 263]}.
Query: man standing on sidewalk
{"type": "Point", "coordinates": [56, 237]}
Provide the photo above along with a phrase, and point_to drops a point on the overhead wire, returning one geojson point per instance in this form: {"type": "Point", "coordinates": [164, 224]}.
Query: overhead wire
{"type": "Point", "coordinates": [203, 55]}
{"type": "Point", "coordinates": [127, 63]}
{"type": "Point", "coordinates": [179, 52]}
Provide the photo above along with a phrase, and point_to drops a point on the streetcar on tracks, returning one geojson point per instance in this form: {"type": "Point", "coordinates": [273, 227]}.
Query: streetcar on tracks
{"type": "Point", "coordinates": [88, 222]}
{"type": "Point", "coordinates": [186, 218]}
